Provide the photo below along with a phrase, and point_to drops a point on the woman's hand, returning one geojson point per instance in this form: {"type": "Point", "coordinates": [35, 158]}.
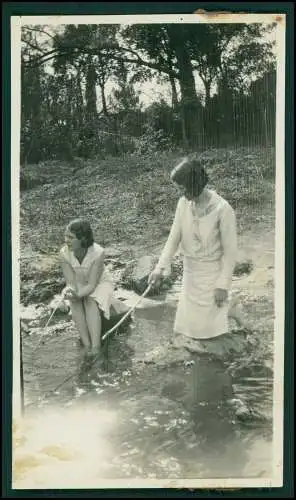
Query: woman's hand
{"type": "Point", "coordinates": [155, 277]}
{"type": "Point", "coordinates": [220, 296]}
{"type": "Point", "coordinates": [69, 293]}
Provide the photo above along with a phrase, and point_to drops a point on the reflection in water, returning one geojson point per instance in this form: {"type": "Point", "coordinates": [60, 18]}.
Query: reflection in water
{"type": "Point", "coordinates": [121, 418]}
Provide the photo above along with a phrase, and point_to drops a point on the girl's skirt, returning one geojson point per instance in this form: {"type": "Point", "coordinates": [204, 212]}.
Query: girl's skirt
{"type": "Point", "coordinates": [198, 316]}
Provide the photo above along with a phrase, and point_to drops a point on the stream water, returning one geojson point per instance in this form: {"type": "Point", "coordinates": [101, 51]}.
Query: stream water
{"type": "Point", "coordinates": [124, 418]}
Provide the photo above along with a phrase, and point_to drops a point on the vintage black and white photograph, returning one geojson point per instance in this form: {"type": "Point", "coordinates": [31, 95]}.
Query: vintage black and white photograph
{"type": "Point", "coordinates": [148, 250]}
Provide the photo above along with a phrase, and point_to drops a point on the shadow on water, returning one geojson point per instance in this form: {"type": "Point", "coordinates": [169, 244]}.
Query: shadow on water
{"type": "Point", "coordinates": [173, 416]}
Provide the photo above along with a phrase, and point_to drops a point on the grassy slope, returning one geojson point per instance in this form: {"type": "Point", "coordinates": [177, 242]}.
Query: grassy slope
{"type": "Point", "coordinates": [130, 202]}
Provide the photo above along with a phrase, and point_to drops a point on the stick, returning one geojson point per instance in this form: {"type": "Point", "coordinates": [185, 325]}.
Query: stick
{"type": "Point", "coordinates": [46, 325]}
{"type": "Point", "coordinates": [127, 313]}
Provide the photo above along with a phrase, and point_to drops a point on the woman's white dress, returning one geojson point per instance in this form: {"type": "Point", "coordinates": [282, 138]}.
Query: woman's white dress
{"type": "Point", "coordinates": [208, 242]}
{"type": "Point", "coordinates": [103, 293]}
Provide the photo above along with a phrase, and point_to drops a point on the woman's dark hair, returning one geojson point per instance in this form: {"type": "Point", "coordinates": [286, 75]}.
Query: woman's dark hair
{"type": "Point", "coordinates": [191, 175]}
{"type": "Point", "coordinates": [197, 175]}
{"type": "Point", "coordinates": [83, 231]}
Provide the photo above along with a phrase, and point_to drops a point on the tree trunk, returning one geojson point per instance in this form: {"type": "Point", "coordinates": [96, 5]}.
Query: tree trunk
{"type": "Point", "coordinates": [90, 92]}
{"type": "Point", "coordinates": [104, 102]}
{"type": "Point", "coordinates": [175, 101]}
{"type": "Point", "coordinates": [187, 85]}
{"type": "Point", "coordinates": [186, 77]}
{"type": "Point", "coordinates": [34, 104]}
{"type": "Point", "coordinates": [207, 84]}
{"type": "Point", "coordinates": [183, 125]}
{"type": "Point", "coordinates": [79, 100]}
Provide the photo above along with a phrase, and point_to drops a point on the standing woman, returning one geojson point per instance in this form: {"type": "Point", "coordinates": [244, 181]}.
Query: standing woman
{"type": "Point", "coordinates": [204, 228]}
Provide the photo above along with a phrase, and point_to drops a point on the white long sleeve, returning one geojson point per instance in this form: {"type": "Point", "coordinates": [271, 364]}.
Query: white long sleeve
{"type": "Point", "coordinates": [228, 236]}
{"type": "Point", "coordinates": [172, 243]}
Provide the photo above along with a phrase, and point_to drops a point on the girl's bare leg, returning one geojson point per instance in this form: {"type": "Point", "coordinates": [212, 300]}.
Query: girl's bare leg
{"type": "Point", "coordinates": [94, 322]}
{"type": "Point", "coordinates": [79, 318]}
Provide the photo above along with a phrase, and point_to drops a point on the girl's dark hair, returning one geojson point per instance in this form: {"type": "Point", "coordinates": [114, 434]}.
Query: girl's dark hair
{"type": "Point", "coordinates": [192, 176]}
{"type": "Point", "coordinates": [197, 174]}
{"type": "Point", "coordinates": [83, 232]}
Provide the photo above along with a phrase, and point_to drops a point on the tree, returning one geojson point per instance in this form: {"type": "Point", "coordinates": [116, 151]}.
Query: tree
{"type": "Point", "coordinates": [95, 63]}
{"type": "Point", "coordinates": [154, 41]}
{"type": "Point", "coordinates": [125, 102]}
{"type": "Point", "coordinates": [31, 114]}
{"type": "Point", "coordinates": [33, 82]}
{"type": "Point", "coordinates": [229, 59]}
{"type": "Point", "coordinates": [165, 47]}
{"type": "Point", "coordinates": [229, 55]}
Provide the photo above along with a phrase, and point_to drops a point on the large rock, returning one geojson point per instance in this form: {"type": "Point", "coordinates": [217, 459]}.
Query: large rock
{"type": "Point", "coordinates": [136, 274]}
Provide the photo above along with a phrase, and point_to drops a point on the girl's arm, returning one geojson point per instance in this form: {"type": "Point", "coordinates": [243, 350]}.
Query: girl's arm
{"type": "Point", "coordinates": [95, 274]}
{"type": "Point", "coordinates": [69, 274]}
{"type": "Point", "coordinates": [229, 244]}
{"type": "Point", "coordinates": [172, 242]}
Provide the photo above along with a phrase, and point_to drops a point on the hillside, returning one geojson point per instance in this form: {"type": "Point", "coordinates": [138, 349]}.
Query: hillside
{"type": "Point", "coordinates": [130, 203]}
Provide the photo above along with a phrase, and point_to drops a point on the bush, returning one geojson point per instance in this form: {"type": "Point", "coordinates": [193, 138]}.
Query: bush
{"type": "Point", "coordinates": [151, 141]}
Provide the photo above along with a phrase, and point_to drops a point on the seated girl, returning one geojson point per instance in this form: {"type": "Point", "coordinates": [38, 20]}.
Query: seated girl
{"type": "Point", "coordinates": [89, 285]}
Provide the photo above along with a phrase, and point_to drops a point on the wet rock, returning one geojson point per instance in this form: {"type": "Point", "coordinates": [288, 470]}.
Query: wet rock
{"type": "Point", "coordinates": [243, 267]}
{"type": "Point", "coordinates": [42, 291]}
{"type": "Point", "coordinates": [225, 347]}
{"type": "Point", "coordinates": [241, 410]}
{"type": "Point", "coordinates": [165, 355]}
{"type": "Point", "coordinates": [136, 274]}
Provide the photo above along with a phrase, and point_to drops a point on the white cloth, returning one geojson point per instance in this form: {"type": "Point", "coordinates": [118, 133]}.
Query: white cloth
{"type": "Point", "coordinates": [103, 293]}
{"type": "Point", "coordinates": [208, 241]}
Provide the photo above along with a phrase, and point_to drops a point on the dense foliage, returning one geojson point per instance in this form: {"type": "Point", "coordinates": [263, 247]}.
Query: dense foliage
{"type": "Point", "coordinates": [66, 73]}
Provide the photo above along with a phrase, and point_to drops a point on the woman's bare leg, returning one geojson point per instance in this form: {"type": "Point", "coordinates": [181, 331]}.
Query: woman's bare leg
{"type": "Point", "coordinates": [94, 322]}
{"type": "Point", "coordinates": [79, 318]}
